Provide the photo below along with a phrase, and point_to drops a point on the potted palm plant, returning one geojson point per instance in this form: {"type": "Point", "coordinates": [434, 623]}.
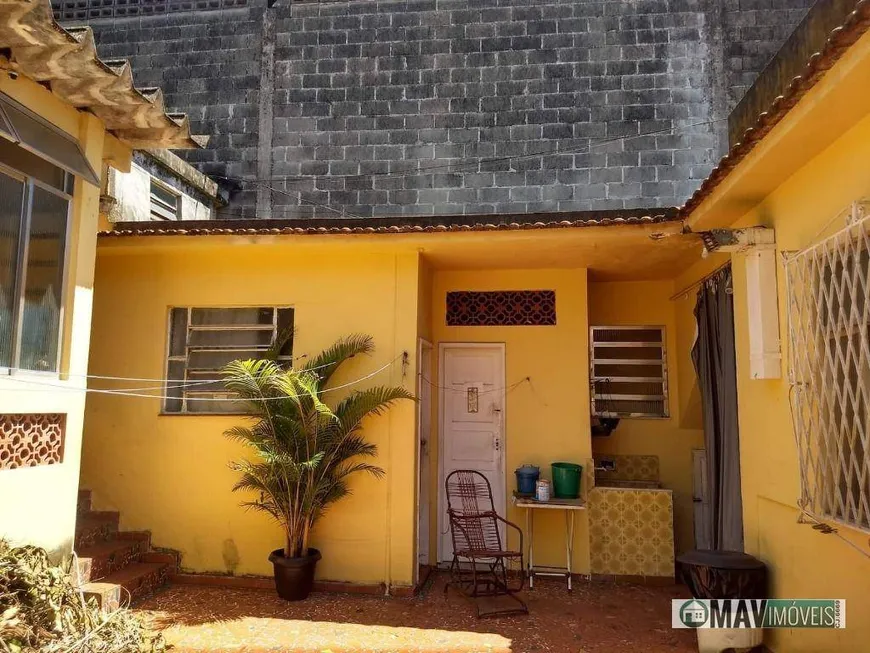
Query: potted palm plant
{"type": "Point", "coordinates": [304, 451]}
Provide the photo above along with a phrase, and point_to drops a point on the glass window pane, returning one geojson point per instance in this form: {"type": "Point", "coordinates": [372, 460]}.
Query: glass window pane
{"type": "Point", "coordinates": [174, 389]}
{"type": "Point", "coordinates": [218, 404]}
{"type": "Point", "coordinates": [161, 194]}
{"type": "Point", "coordinates": [11, 198]}
{"type": "Point", "coordinates": [49, 142]}
{"type": "Point", "coordinates": [216, 360]}
{"type": "Point", "coordinates": [231, 339]}
{"type": "Point", "coordinates": [177, 331]}
{"type": "Point", "coordinates": [6, 129]}
{"type": "Point", "coordinates": [231, 316]}
{"type": "Point", "coordinates": [32, 165]}
{"type": "Point", "coordinates": [43, 291]}
{"type": "Point", "coordinates": [285, 330]}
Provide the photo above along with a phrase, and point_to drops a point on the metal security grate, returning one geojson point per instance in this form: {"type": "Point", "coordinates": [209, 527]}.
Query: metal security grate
{"type": "Point", "coordinates": [203, 340]}
{"type": "Point", "coordinates": [628, 371]}
{"type": "Point", "coordinates": [829, 358]}
{"type": "Point", "coordinates": [80, 10]}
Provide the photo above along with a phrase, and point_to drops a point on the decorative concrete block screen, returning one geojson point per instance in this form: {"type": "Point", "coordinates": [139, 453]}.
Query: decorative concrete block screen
{"type": "Point", "coordinates": [76, 10]}
{"type": "Point", "coordinates": [31, 440]}
{"type": "Point", "coordinates": [829, 360]}
{"type": "Point", "coordinates": [501, 308]}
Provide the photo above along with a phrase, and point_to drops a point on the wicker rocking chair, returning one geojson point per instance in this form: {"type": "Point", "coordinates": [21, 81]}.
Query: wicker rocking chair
{"type": "Point", "coordinates": [480, 561]}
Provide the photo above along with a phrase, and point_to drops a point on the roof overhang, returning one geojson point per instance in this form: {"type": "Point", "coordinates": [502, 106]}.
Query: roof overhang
{"type": "Point", "coordinates": [611, 248]}
{"type": "Point", "coordinates": [399, 225]}
{"type": "Point", "coordinates": [66, 61]}
{"type": "Point", "coordinates": [817, 107]}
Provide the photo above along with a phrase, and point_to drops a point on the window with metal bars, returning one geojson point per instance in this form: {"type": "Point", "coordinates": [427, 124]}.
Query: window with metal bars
{"type": "Point", "coordinates": [165, 203]}
{"type": "Point", "coordinates": [203, 340]}
{"type": "Point", "coordinates": [628, 371]}
{"type": "Point", "coordinates": [829, 365]}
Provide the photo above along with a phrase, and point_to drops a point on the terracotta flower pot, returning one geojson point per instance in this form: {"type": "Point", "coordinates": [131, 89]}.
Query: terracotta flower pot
{"type": "Point", "coordinates": [294, 577]}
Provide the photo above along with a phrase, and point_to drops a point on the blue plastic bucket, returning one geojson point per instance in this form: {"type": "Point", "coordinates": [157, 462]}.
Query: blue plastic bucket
{"type": "Point", "coordinates": [527, 476]}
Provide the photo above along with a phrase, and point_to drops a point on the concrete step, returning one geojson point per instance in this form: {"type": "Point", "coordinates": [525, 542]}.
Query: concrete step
{"type": "Point", "coordinates": [134, 582]}
{"type": "Point", "coordinates": [93, 527]}
{"type": "Point", "coordinates": [107, 556]}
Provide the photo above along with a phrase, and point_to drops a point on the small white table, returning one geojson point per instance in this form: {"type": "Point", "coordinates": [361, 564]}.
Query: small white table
{"type": "Point", "coordinates": [569, 506]}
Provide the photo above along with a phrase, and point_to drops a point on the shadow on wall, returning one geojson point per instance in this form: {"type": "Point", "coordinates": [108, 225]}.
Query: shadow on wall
{"type": "Point", "coordinates": [692, 416]}
{"type": "Point", "coordinates": [231, 556]}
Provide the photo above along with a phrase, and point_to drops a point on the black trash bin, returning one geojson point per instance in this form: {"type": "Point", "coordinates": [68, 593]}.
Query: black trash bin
{"type": "Point", "coordinates": [723, 575]}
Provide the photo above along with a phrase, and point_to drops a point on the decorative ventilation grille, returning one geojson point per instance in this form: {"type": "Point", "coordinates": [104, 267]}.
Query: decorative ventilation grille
{"type": "Point", "coordinates": [502, 308]}
{"type": "Point", "coordinates": [78, 10]}
{"type": "Point", "coordinates": [31, 440]}
{"type": "Point", "coordinates": [829, 360]}
{"type": "Point", "coordinates": [629, 371]}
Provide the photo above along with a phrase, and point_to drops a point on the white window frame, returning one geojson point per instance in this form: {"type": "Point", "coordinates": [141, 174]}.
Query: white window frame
{"type": "Point", "coordinates": [160, 210]}
{"type": "Point", "coordinates": [600, 399]}
{"type": "Point", "coordinates": [169, 358]}
{"type": "Point", "coordinates": [18, 300]}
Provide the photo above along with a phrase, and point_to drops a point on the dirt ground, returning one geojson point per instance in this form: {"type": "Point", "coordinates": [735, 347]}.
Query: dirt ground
{"type": "Point", "coordinates": [595, 617]}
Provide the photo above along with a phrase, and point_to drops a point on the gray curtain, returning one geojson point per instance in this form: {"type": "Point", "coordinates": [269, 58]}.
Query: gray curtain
{"type": "Point", "coordinates": [715, 365]}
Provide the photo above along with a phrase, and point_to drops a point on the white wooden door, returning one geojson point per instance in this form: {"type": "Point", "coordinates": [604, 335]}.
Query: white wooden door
{"type": "Point", "coordinates": [472, 422]}
{"type": "Point", "coordinates": [424, 421]}
{"type": "Point", "coordinates": [700, 499]}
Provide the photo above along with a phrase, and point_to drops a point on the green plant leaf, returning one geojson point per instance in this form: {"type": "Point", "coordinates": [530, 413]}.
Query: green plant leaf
{"type": "Point", "coordinates": [301, 451]}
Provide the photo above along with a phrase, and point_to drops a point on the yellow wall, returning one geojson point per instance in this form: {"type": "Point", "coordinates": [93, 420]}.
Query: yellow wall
{"type": "Point", "coordinates": [546, 420]}
{"type": "Point", "coordinates": [803, 562]}
{"type": "Point", "coordinates": [39, 503]}
{"type": "Point", "coordinates": [168, 473]}
{"type": "Point", "coordinates": [672, 439]}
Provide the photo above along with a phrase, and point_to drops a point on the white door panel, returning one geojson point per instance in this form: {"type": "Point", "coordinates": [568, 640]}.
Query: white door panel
{"type": "Point", "coordinates": [472, 400]}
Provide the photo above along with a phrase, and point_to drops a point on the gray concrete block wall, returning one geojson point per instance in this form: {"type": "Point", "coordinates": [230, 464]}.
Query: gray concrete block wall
{"type": "Point", "coordinates": [588, 94]}
{"type": "Point", "coordinates": [384, 108]}
{"type": "Point", "coordinates": [754, 32]}
{"type": "Point", "coordinates": [207, 64]}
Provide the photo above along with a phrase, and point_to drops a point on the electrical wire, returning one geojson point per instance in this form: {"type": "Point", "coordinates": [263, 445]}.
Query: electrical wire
{"type": "Point", "coordinates": [155, 379]}
{"type": "Point", "coordinates": [298, 195]}
{"type": "Point", "coordinates": [506, 388]}
{"type": "Point", "coordinates": [123, 393]}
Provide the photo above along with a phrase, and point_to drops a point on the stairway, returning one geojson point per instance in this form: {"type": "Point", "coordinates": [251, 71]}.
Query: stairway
{"type": "Point", "coordinates": [116, 566]}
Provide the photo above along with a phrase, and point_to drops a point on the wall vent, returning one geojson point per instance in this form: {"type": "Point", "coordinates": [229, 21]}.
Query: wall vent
{"type": "Point", "coordinates": [502, 308]}
{"type": "Point", "coordinates": [31, 440]}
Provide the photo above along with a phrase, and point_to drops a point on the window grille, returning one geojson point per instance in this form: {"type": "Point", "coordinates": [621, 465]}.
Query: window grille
{"type": "Point", "coordinates": [203, 340]}
{"type": "Point", "coordinates": [829, 361]}
{"type": "Point", "coordinates": [629, 371]}
{"type": "Point", "coordinates": [164, 202]}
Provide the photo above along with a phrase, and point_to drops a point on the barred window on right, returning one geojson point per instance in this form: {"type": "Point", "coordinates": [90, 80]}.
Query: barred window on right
{"type": "Point", "coordinates": [829, 358]}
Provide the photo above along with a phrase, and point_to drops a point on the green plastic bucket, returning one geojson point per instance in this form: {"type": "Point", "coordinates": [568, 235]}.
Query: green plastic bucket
{"type": "Point", "coordinates": [566, 480]}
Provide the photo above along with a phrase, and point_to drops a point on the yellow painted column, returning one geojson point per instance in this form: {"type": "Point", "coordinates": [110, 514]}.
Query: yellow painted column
{"type": "Point", "coordinates": [402, 454]}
